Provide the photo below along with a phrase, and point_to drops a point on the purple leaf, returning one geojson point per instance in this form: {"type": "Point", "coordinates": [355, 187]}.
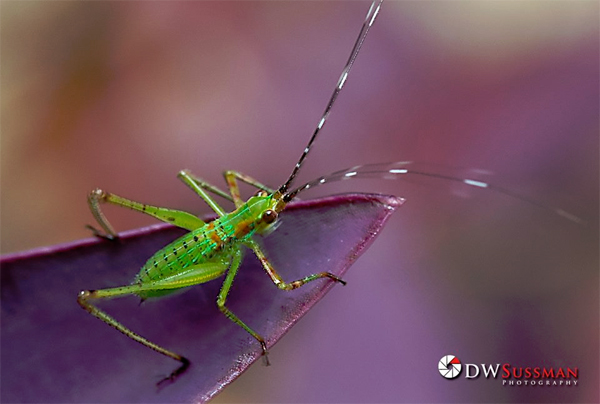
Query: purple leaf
{"type": "Point", "coordinates": [53, 351]}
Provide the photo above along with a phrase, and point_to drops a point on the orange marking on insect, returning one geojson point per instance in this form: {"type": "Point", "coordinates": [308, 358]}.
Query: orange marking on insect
{"type": "Point", "coordinates": [242, 228]}
{"type": "Point", "coordinates": [214, 236]}
{"type": "Point", "coordinates": [220, 240]}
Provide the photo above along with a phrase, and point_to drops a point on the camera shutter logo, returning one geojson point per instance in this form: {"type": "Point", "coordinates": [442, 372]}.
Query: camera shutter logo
{"type": "Point", "coordinates": [449, 366]}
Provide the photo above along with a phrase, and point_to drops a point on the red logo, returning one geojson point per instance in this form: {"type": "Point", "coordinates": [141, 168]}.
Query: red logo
{"type": "Point", "coordinates": [449, 366]}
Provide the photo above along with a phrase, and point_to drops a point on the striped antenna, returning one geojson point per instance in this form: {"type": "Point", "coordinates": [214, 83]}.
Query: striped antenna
{"type": "Point", "coordinates": [402, 169]}
{"type": "Point", "coordinates": [369, 20]}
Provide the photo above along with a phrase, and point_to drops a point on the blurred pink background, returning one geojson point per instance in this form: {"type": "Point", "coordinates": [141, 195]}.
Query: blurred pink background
{"type": "Point", "coordinates": [122, 95]}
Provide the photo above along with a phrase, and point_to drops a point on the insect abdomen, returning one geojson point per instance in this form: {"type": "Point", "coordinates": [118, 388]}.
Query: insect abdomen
{"type": "Point", "coordinates": [207, 243]}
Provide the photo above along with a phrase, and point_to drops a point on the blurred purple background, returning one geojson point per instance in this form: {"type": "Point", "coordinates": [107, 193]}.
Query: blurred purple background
{"type": "Point", "coordinates": [122, 95]}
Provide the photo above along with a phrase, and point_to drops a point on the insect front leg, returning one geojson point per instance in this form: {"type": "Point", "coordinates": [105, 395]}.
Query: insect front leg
{"type": "Point", "coordinates": [199, 186]}
{"type": "Point", "coordinates": [84, 300]}
{"type": "Point", "coordinates": [235, 264]}
{"type": "Point", "coordinates": [276, 278]}
{"type": "Point", "coordinates": [187, 176]}
{"type": "Point", "coordinates": [178, 218]}
{"type": "Point", "coordinates": [232, 176]}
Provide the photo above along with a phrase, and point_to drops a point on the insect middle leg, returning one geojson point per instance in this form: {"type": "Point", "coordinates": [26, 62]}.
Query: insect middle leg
{"type": "Point", "coordinates": [276, 278]}
{"type": "Point", "coordinates": [235, 264]}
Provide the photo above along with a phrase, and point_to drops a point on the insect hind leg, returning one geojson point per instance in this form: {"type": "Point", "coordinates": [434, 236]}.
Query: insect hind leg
{"type": "Point", "coordinates": [178, 218]}
{"type": "Point", "coordinates": [84, 301]}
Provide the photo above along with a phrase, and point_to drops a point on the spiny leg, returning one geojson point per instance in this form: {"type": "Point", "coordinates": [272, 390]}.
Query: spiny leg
{"type": "Point", "coordinates": [203, 184]}
{"type": "Point", "coordinates": [235, 264]}
{"type": "Point", "coordinates": [86, 295]}
{"type": "Point", "coordinates": [232, 176]}
{"type": "Point", "coordinates": [199, 186]}
{"type": "Point", "coordinates": [276, 278]}
{"type": "Point", "coordinates": [178, 218]}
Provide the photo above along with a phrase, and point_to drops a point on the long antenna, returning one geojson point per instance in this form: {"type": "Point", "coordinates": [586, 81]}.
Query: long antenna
{"type": "Point", "coordinates": [369, 19]}
{"type": "Point", "coordinates": [401, 169]}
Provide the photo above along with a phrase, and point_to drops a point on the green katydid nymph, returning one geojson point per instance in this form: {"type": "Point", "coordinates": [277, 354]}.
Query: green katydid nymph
{"type": "Point", "coordinates": [215, 249]}
{"type": "Point", "coordinates": [211, 250]}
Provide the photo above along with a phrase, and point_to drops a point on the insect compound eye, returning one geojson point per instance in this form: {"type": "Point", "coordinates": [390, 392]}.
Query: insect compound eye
{"type": "Point", "coordinates": [261, 192]}
{"type": "Point", "coordinates": [269, 216]}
